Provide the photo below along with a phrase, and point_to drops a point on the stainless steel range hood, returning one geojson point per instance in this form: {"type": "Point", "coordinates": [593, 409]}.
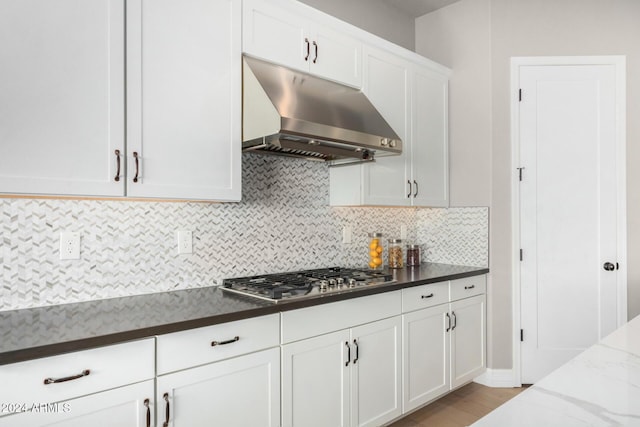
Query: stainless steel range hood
{"type": "Point", "coordinates": [291, 113]}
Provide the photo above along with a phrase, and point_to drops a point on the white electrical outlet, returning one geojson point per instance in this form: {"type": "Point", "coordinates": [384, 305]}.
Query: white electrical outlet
{"type": "Point", "coordinates": [403, 231]}
{"type": "Point", "coordinates": [346, 234]}
{"type": "Point", "coordinates": [69, 245]}
{"type": "Point", "coordinates": [185, 241]}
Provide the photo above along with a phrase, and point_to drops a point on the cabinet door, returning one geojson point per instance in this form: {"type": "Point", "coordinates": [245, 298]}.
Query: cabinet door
{"type": "Point", "coordinates": [184, 99]}
{"type": "Point", "coordinates": [275, 35]}
{"type": "Point", "coordinates": [386, 83]}
{"type": "Point", "coordinates": [315, 381]}
{"type": "Point", "coordinates": [243, 391]}
{"type": "Point", "coordinates": [337, 57]}
{"type": "Point", "coordinates": [426, 355]}
{"type": "Point", "coordinates": [125, 406]}
{"type": "Point", "coordinates": [429, 139]}
{"type": "Point", "coordinates": [375, 368]}
{"type": "Point", "coordinates": [468, 346]}
{"type": "Point", "coordinates": [61, 96]}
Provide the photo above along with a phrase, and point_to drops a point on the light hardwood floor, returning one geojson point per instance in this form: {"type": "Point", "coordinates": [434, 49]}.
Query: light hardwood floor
{"type": "Point", "coordinates": [459, 408]}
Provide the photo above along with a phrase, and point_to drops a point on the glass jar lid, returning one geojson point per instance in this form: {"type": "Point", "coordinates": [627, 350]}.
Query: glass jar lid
{"type": "Point", "coordinates": [377, 235]}
{"type": "Point", "coordinates": [395, 241]}
{"type": "Point", "coordinates": [413, 246]}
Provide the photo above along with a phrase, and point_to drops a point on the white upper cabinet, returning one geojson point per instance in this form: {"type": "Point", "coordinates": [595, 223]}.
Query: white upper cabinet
{"type": "Point", "coordinates": [62, 109]}
{"type": "Point", "coordinates": [184, 99]}
{"type": "Point", "coordinates": [411, 93]}
{"type": "Point", "coordinates": [290, 36]}
{"type": "Point", "coordinates": [386, 85]}
{"type": "Point", "coordinates": [62, 98]}
{"type": "Point", "coordinates": [429, 139]}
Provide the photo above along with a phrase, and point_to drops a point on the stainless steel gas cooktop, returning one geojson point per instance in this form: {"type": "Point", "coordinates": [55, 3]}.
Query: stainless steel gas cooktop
{"type": "Point", "coordinates": [305, 284]}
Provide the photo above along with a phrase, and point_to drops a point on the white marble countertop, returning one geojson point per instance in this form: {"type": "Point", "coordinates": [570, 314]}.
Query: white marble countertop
{"type": "Point", "coordinates": [599, 387]}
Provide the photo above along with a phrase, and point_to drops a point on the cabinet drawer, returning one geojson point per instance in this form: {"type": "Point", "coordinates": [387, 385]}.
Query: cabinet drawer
{"type": "Point", "coordinates": [468, 287]}
{"type": "Point", "coordinates": [425, 296]}
{"type": "Point", "coordinates": [107, 367]}
{"type": "Point", "coordinates": [181, 350]}
{"type": "Point", "coordinates": [325, 318]}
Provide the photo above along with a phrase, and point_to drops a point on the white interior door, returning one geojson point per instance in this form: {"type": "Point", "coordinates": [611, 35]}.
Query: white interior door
{"type": "Point", "coordinates": [569, 211]}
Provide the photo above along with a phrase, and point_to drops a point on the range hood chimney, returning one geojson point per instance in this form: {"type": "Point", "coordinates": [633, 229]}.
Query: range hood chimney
{"type": "Point", "coordinates": [290, 113]}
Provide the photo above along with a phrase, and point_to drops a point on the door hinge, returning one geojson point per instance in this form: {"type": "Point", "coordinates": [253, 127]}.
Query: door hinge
{"type": "Point", "coordinates": [520, 173]}
{"type": "Point", "coordinates": [521, 335]}
{"type": "Point", "coordinates": [521, 254]}
{"type": "Point", "coordinates": [519, 95]}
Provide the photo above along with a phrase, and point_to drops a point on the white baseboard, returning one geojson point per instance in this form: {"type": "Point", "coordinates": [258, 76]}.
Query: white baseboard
{"type": "Point", "coordinates": [498, 378]}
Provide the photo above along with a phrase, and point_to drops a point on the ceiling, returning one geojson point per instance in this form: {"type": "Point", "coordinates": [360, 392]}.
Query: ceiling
{"type": "Point", "coordinates": [416, 8]}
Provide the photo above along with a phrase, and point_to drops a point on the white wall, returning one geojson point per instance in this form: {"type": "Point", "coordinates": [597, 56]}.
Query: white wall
{"type": "Point", "coordinates": [373, 16]}
{"type": "Point", "coordinates": [529, 28]}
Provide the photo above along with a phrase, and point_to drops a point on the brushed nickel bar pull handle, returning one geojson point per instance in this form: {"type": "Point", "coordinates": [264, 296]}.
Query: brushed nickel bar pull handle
{"type": "Point", "coordinates": [427, 296]}
{"type": "Point", "coordinates": [315, 59]}
{"type": "Point", "coordinates": [117, 178]}
{"type": "Point", "coordinates": [135, 156]}
{"type": "Point", "coordinates": [348, 353]}
{"type": "Point", "coordinates": [306, 40]}
{"type": "Point", "coordinates": [232, 340]}
{"type": "Point", "coordinates": [455, 320]}
{"type": "Point", "coordinates": [146, 404]}
{"type": "Point", "coordinates": [416, 183]}
{"type": "Point", "coordinates": [448, 322]}
{"type": "Point", "coordinates": [357, 352]}
{"type": "Point", "coordinates": [470, 287]}
{"type": "Point", "coordinates": [65, 379]}
{"type": "Point", "coordinates": [409, 182]}
{"type": "Point", "coordinates": [167, 411]}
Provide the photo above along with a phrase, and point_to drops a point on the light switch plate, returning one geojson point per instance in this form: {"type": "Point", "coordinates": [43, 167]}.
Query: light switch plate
{"type": "Point", "coordinates": [346, 234]}
{"type": "Point", "coordinates": [69, 245]}
{"type": "Point", "coordinates": [185, 241]}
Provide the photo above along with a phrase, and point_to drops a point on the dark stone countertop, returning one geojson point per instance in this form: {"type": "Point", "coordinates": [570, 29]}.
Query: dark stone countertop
{"type": "Point", "coordinates": [48, 331]}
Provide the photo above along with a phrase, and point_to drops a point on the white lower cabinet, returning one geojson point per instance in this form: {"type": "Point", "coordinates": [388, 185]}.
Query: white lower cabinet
{"type": "Point", "coordinates": [316, 381]}
{"type": "Point", "coordinates": [242, 391]}
{"type": "Point", "coordinates": [105, 386]}
{"type": "Point", "coordinates": [131, 405]}
{"type": "Point", "coordinates": [443, 345]}
{"type": "Point", "coordinates": [226, 374]}
{"type": "Point", "coordinates": [376, 372]}
{"type": "Point", "coordinates": [426, 356]}
{"type": "Point", "coordinates": [348, 378]}
{"type": "Point", "coordinates": [468, 345]}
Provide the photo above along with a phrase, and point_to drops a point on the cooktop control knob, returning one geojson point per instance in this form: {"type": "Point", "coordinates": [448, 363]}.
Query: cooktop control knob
{"type": "Point", "coordinates": [324, 285]}
{"type": "Point", "coordinates": [340, 281]}
{"type": "Point", "coordinates": [352, 283]}
{"type": "Point", "coordinates": [332, 283]}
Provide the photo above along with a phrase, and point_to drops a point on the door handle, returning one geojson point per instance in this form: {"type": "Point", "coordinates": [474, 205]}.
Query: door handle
{"type": "Point", "coordinates": [148, 418]}
{"type": "Point", "coordinates": [448, 322]}
{"type": "Point", "coordinates": [135, 157]}
{"type": "Point", "coordinates": [348, 353]}
{"type": "Point", "coordinates": [609, 266]}
{"type": "Point", "coordinates": [315, 58]}
{"type": "Point", "coordinates": [306, 41]}
{"type": "Point", "coordinates": [410, 188]}
{"type": "Point", "coordinates": [117, 177]}
{"type": "Point", "coordinates": [167, 411]}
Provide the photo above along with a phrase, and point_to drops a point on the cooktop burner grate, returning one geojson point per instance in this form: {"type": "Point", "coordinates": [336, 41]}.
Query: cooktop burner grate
{"type": "Point", "coordinates": [275, 287]}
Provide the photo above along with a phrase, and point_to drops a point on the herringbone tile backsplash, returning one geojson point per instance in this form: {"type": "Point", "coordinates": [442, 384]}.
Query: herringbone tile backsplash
{"type": "Point", "coordinates": [283, 223]}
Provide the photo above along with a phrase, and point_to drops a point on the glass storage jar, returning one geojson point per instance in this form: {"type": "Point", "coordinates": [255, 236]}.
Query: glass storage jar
{"type": "Point", "coordinates": [413, 255]}
{"type": "Point", "coordinates": [395, 254]}
{"type": "Point", "coordinates": [375, 251]}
